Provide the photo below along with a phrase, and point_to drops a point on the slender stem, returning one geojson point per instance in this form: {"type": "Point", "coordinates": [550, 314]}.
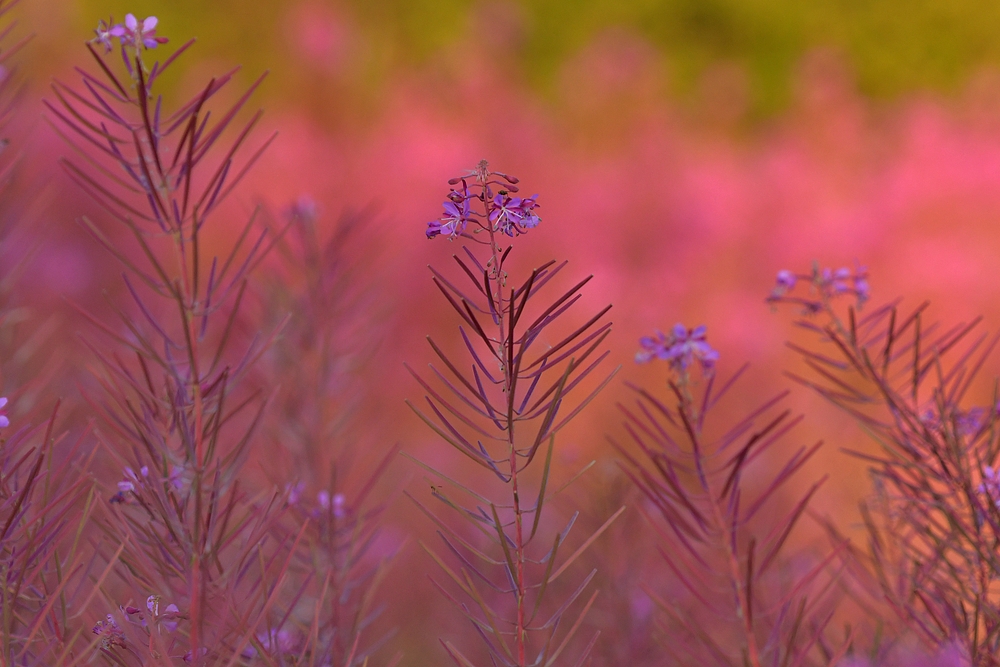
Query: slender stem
{"type": "Point", "coordinates": [733, 561]}
{"type": "Point", "coordinates": [502, 352]}
{"type": "Point", "coordinates": [188, 301]}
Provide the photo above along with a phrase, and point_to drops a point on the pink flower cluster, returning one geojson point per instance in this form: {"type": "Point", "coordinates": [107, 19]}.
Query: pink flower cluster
{"type": "Point", "coordinates": [132, 32]}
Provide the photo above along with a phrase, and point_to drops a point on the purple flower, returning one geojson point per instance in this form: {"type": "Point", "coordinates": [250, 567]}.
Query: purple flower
{"type": "Point", "coordinates": [189, 656]}
{"type": "Point", "coordinates": [177, 477]}
{"type": "Point", "coordinates": [110, 633]}
{"type": "Point", "coordinates": [681, 348]}
{"type": "Point", "coordinates": [861, 288]}
{"type": "Point", "coordinates": [837, 282]}
{"type": "Point", "coordinates": [652, 346]}
{"type": "Point", "coordinates": [455, 218]}
{"type": "Point", "coordinates": [169, 614]}
{"type": "Point", "coordinates": [275, 642]}
{"type": "Point", "coordinates": [294, 492]}
{"type": "Point", "coordinates": [828, 283]}
{"type": "Point", "coordinates": [969, 422]}
{"type": "Point", "coordinates": [4, 422]}
{"type": "Point", "coordinates": [128, 483]}
{"type": "Point", "coordinates": [991, 484]}
{"type": "Point", "coordinates": [105, 32]}
{"type": "Point", "coordinates": [338, 503]}
{"type": "Point", "coordinates": [305, 209]}
{"type": "Point", "coordinates": [784, 283]}
{"type": "Point", "coordinates": [514, 215]}
{"type": "Point", "coordinates": [139, 34]}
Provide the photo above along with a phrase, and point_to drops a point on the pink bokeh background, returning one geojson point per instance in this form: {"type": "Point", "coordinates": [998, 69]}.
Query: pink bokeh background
{"type": "Point", "coordinates": [684, 210]}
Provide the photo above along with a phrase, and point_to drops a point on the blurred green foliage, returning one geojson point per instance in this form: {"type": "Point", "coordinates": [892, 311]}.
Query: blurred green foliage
{"type": "Point", "coordinates": [892, 46]}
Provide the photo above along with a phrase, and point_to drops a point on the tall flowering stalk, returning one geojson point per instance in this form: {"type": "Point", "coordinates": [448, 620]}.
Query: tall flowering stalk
{"type": "Point", "coordinates": [324, 345]}
{"type": "Point", "coordinates": [195, 570]}
{"type": "Point", "coordinates": [499, 411]}
{"type": "Point", "coordinates": [934, 521]}
{"type": "Point", "coordinates": [719, 517]}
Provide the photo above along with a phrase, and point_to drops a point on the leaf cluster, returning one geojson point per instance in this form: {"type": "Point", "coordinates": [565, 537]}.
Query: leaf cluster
{"type": "Point", "coordinates": [722, 524]}
{"type": "Point", "coordinates": [934, 524]}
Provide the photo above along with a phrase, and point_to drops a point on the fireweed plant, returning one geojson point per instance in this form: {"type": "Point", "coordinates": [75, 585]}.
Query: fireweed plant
{"type": "Point", "coordinates": [44, 503]}
{"type": "Point", "coordinates": [197, 567]}
{"type": "Point", "coordinates": [720, 520]}
{"type": "Point", "coordinates": [501, 409]}
{"type": "Point", "coordinates": [933, 524]}
{"type": "Point", "coordinates": [182, 558]}
{"type": "Point", "coordinates": [324, 344]}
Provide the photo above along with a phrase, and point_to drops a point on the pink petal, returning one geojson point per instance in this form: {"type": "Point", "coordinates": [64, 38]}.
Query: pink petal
{"type": "Point", "coordinates": [149, 23]}
{"type": "Point", "coordinates": [131, 22]}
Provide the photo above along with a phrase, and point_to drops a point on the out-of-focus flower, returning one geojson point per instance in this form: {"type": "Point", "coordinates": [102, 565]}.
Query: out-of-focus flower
{"type": "Point", "coordinates": [128, 484]}
{"type": "Point", "coordinates": [338, 503]}
{"type": "Point", "coordinates": [966, 422]}
{"type": "Point", "coordinates": [177, 478]}
{"type": "Point", "coordinates": [169, 615]}
{"type": "Point", "coordinates": [105, 32]}
{"type": "Point", "coordinates": [514, 215]}
{"type": "Point", "coordinates": [826, 283]}
{"type": "Point", "coordinates": [305, 208]}
{"type": "Point", "coordinates": [143, 471]}
{"type": "Point", "coordinates": [141, 33]}
{"type": "Point", "coordinates": [188, 657]}
{"type": "Point", "coordinates": [652, 346]}
{"type": "Point", "coordinates": [786, 279]}
{"type": "Point", "coordinates": [294, 492]}
{"type": "Point", "coordinates": [110, 633]}
{"type": "Point", "coordinates": [990, 485]}
{"type": "Point", "coordinates": [275, 642]}
{"type": "Point", "coordinates": [970, 421]}
{"type": "Point", "coordinates": [4, 422]}
{"type": "Point", "coordinates": [681, 348]}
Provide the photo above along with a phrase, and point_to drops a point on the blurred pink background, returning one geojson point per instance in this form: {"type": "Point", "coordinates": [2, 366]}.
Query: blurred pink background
{"type": "Point", "coordinates": [682, 177]}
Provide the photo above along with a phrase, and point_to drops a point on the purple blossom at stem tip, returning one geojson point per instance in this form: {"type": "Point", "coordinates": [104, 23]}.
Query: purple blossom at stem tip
{"type": "Point", "coordinates": [456, 216]}
{"type": "Point", "coordinates": [681, 348]}
{"type": "Point", "coordinates": [826, 283]}
{"type": "Point", "coordinates": [514, 215]}
{"type": "Point", "coordinates": [501, 211]}
{"type": "Point", "coordinates": [4, 422]}
{"type": "Point", "coordinates": [144, 32]}
{"type": "Point", "coordinates": [133, 33]}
